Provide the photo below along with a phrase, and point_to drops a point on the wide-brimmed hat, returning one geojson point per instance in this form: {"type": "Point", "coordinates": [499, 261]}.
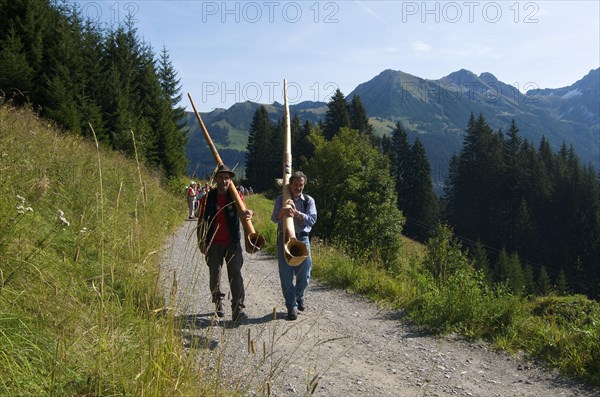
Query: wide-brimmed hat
{"type": "Point", "coordinates": [224, 169]}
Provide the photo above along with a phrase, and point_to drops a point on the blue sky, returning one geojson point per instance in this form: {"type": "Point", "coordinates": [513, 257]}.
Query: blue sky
{"type": "Point", "coordinates": [232, 51]}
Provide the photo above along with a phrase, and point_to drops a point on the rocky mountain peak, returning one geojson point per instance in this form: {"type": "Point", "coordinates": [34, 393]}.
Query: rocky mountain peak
{"type": "Point", "coordinates": [488, 77]}
{"type": "Point", "coordinates": [462, 77]}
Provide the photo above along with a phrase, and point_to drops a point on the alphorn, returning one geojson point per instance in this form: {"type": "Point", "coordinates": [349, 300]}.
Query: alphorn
{"type": "Point", "coordinates": [295, 251]}
{"type": "Point", "coordinates": [253, 241]}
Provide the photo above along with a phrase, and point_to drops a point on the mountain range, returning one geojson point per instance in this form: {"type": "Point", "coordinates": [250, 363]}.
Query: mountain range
{"type": "Point", "coordinates": [437, 111]}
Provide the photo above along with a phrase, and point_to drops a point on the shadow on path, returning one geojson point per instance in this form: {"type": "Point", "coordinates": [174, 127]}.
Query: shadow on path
{"type": "Point", "coordinates": [192, 322]}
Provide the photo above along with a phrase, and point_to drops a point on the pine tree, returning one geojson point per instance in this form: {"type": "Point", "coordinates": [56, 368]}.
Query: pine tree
{"type": "Point", "coordinates": [22, 36]}
{"type": "Point", "coordinates": [337, 115]}
{"type": "Point", "coordinates": [510, 272]}
{"type": "Point", "coordinates": [16, 74]}
{"type": "Point", "coordinates": [472, 196]}
{"type": "Point", "coordinates": [481, 261]}
{"type": "Point", "coordinates": [546, 154]}
{"type": "Point", "coordinates": [592, 249]}
{"type": "Point", "coordinates": [275, 159]}
{"type": "Point", "coordinates": [400, 161]}
{"type": "Point", "coordinates": [62, 105]}
{"type": "Point", "coordinates": [421, 207]}
{"type": "Point", "coordinates": [62, 72]}
{"type": "Point", "coordinates": [562, 285]}
{"type": "Point", "coordinates": [586, 224]}
{"type": "Point", "coordinates": [449, 212]}
{"type": "Point", "coordinates": [303, 149]}
{"type": "Point", "coordinates": [259, 151]}
{"type": "Point", "coordinates": [544, 285]}
{"type": "Point", "coordinates": [120, 55]}
{"type": "Point", "coordinates": [92, 81]}
{"type": "Point", "coordinates": [358, 117]}
{"type": "Point", "coordinates": [151, 134]}
{"type": "Point", "coordinates": [171, 86]}
{"type": "Point", "coordinates": [581, 282]}
{"type": "Point", "coordinates": [297, 137]}
{"type": "Point", "coordinates": [563, 235]}
{"type": "Point", "coordinates": [527, 236]}
{"type": "Point", "coordinates": [534, 212]}
{"type": "Point", "coordinates": [512, 169]}
{"type": "Point", "coordinates": [175, 132]}
{"type": "Point", "coordinates": [165, 147]}
{"type": "Point", "coordinates": [528, 280]}
{"type": "Point", "coordinates": [385, 146]}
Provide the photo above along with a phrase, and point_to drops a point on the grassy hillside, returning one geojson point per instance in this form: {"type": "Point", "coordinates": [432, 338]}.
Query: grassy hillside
{"type": "Point", "coordinates": [80, 235]}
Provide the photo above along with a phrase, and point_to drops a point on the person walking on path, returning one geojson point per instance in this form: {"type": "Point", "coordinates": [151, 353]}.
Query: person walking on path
{"type": "Point", "coordinates": [219, 240]}
{"type": "Point", "coordinates": [304, 212]}
{"type": "Point", "coordinates": [191, 193]}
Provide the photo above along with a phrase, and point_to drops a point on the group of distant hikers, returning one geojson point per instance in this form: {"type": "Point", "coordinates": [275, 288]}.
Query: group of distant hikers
{"type": "Point", "coordinates": [218, 233]}
{"type": "Point", "coordinates": [194, 193]}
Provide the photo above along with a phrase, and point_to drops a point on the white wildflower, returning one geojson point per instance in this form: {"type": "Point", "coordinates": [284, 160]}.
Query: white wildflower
{"type": "Point", "coordinates": [21, 199]}
{"type": "Point", "coordinates": [61, 217]}
{"type": "Point", "coordinates": [20, 209]}
{"type": "Point", "coordinates": [83, 230]}
{"type": "Point", "coordinates": [29, 209]}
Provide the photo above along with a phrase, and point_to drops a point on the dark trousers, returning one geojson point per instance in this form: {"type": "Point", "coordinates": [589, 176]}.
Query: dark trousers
{"type": "Point", "coordinates": [232, 255]}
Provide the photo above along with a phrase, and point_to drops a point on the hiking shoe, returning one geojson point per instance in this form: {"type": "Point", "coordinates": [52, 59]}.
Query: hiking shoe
{"type": "Point", "coordinates": [219, 309]}
{"type": "Point", "coordinates": [292, 313]}
{"type": "Point", "coordinates": [239, 316]}
{"type": "Point", "coordinates": [301, 306]}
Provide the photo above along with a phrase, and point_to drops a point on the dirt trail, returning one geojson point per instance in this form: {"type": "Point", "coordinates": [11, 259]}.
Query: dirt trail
{"type": "Point", "coordinates": [342, 345]}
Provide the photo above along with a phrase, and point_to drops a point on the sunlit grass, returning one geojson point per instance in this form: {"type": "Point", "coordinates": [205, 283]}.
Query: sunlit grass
{"type": "Point", "coordinates": [564, 331]}
{"type": "Point", "coordinates": [81, 312]}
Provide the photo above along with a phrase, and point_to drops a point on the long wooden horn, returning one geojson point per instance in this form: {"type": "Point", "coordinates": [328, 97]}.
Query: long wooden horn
{"type": "Point", "coordinates": [295, 251]}
{"type": "Point", "coordinates": [253, 240]}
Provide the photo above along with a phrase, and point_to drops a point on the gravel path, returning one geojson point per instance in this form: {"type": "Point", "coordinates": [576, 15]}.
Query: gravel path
{"type": "Point", "coordinates": [342, 345]}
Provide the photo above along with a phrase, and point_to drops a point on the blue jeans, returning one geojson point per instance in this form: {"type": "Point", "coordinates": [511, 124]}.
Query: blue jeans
{"type": "Point", "coordinates": [294, 293]}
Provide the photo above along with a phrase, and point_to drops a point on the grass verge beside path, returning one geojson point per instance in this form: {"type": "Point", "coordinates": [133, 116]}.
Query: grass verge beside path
{"type": "Point", "coordinates": [80, 232]}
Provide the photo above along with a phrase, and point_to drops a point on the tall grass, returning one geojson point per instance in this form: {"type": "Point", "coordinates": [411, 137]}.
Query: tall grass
{"type": "Point", "coordinates": [563, 331]}
{"type": "Point", "coordinates": [81, 228]}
